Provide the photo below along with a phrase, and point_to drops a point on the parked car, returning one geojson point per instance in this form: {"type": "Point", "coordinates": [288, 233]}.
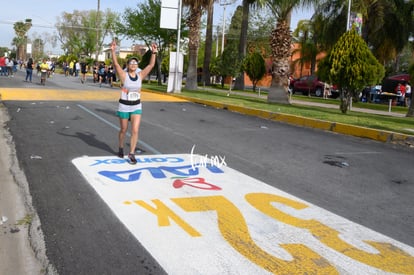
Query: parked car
{"type": "Point", "coordinates": [311, 84]}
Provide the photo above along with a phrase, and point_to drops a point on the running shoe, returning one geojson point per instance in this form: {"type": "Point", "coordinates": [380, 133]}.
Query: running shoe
{"type": "Point", "coordinates": [132, 158]}
{"type": "Point", "coordinates": [121, 153]}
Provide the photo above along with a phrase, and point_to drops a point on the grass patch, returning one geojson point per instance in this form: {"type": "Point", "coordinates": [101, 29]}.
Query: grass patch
{"type": "Point", "coordinates": [26, 220]}
{"type": "Point", "coordinates": [404, 125]}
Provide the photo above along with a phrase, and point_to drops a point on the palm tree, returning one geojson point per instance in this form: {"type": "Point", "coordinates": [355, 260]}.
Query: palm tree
{"type": "Point", "coordinates": [280, 44]}
{"type": "Point", "coordinates": [302, 37]}
{"type": "Point", "coordinates": [193, 23]}
{"type": "Point", "coordinates": [239, 84]}
{"type": "Point", "coordinates": [387, 24]}
{"type": "Point", "coordinates": [21, 29]}
{"type": "Point", "coordinates": [309, 36]}
{"type": "Point", "coordinates": [209, 43]}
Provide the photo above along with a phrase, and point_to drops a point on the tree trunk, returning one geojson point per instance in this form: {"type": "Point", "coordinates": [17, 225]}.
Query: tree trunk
{"type": "Point", "coordinates": [191, 80]}
{"type": "Point", "coordinates": [278, 92]}
{"type": "Point", "coordinates": [158, 68]}
{"type": "Point", "coordinates": [345, 98]}
{"type": "Point", "coordinates": [239, 84]}
{"type": "Point", "coordinates": [281, 52]}
{"type": "Point", "coordinates": [193, 23]}
{"type": "Point", "coordinates": [209, 44]}
{"type": "Point", "coordinates": [410, 112]}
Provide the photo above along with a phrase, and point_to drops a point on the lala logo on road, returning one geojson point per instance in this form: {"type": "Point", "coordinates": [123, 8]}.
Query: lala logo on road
{"type": "Point", "coordinates": [200, 218]}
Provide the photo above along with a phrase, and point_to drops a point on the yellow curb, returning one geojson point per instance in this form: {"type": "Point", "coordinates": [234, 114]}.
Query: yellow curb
{"type": "Point", "coordinates": [73, 95]}
{"type": "Point", "coordinates": [358, 131]}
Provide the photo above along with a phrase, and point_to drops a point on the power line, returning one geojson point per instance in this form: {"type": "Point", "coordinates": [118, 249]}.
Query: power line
{"type": "Point", "coordinates": [51, 26]}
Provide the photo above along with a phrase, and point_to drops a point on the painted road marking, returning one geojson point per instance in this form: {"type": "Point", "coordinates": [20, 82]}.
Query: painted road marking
{"type": "Point", "coordinates": [204, 219]}
{"type": "Point", "coordinates": [74, 95]}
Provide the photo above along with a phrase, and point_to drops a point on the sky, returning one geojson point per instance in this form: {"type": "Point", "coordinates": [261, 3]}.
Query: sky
{"type": "Point", "coordinates": [44, 15]}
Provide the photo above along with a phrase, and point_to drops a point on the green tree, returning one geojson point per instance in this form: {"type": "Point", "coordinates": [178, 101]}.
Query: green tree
{"type": "Point", "coordinates": [303, 37]}
{"type": "Point", "coordinates": [309, 36]}
{"type": "Point", "coordinates": [255, 68]}
{"type": "Point", "coordinates": [142, 23]}
{"type": "Point", "coordinates": [38, 48]}
{"type": "Point", "coordinates": [227, 64]}
{"type": "Point", "coordinates": [387, 25]}
{"type": "Point", "coordinates": [261, 24]}
{"type": "Point", "coordinates": [78, 34]}
{"type": "Point", "coordinates": [352, 66]}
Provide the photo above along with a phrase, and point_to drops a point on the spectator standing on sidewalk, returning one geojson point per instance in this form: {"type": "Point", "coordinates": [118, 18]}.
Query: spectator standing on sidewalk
{"type": "Point", "coordinates": [407, 94]}
{"type": "Point", "coordinates": [326, 90]}
{"type": "Point", "coordinates": [29, 70]}
{"type": "Point", "coordinates": [400, 90]}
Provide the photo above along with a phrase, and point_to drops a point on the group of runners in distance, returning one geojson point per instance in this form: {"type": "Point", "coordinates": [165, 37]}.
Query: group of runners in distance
{"type": "Point", "coordinates": [102, 73]}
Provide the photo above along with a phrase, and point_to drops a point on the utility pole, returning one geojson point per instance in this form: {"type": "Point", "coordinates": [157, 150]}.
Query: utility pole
{"type": "Point", "coordinates": [224, 4]}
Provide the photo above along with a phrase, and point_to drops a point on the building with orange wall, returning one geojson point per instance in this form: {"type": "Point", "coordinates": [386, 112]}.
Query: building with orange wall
{"type": "Point", "coordinates": [295, 68]}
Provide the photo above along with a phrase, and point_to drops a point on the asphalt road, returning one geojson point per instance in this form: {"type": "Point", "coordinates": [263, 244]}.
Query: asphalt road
{"type": "Point", "coordinates": [366, 182]}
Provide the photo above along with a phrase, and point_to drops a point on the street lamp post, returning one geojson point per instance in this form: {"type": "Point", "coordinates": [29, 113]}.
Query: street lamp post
{"type": "Point", "coordinates": [349, 15]}
{"type": "Point", "coordinates": [224, 4]}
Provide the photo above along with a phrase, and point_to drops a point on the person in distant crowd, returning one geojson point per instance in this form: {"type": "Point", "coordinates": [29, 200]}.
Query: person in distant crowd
{"type": "Point", "coordinates": [38, 67]}
{"type": "Point", "coordinates": [130, 107]}
{"type": "Point", "coordinates": [44, 68]}
{"type": "Point", "coordinates": [65, 68]}
{"type": "Point", "coordinates": [110, 74]}
{"type": "Point", "coordinates": [400, 90]}
{"type": "Point", "coordinates": [29, 70]}
{"type": "Point", "coordinates": [15, 63]}
{"type": "Point", "coordinates": [10, 65]}
{"type": "Point", "coordinates": [365, 95]}
{"type": "Point", "coordinates": [102, 69]}
{"type": "Point", "coordinates": [95, 74]}
{"type": "Point", "coordinates": [71, 65]}
{"type": "Point", "coordinates": [77, 68]}
{"type": "Point", "coordinates": [50, 65]}
{"type": "Point", "coordinates": [83, 70]}
{"type": "Point", "coordinates": [3, 67]}
{"type": "Point", "coordinates": [326, 91]}
{"type": "Point", "coordinates": [74, 68]}
{"type": "Point", "coordinates": [407, 94]}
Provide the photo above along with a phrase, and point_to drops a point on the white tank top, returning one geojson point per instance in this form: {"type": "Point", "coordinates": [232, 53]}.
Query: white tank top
{"type": "Point", "coordinates": [131, 90]}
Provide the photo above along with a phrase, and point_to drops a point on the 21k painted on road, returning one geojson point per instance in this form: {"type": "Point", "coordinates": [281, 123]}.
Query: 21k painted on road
{"type": "Point", "coordinates": [205, 219]}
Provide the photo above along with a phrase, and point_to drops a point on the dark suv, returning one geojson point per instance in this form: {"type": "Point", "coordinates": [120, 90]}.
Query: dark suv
{"type": "Point", "coordinates": [311, 84]}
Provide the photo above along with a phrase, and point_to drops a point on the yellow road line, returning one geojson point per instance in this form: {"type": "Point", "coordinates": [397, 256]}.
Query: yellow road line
{"type": "Point", "coordinates": [73, 95]}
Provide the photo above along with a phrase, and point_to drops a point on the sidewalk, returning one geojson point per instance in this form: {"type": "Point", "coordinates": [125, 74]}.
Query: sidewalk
{"type": "Point", "coordinates": [333, 106]}
{"type": "Point", "coordinates": [22, 248]}
{"type": "Point", "coordinates": [318, 104]}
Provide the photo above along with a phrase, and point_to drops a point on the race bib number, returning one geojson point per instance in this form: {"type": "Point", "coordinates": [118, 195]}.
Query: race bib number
{"type": "Point", "coordinates": [133, 96]}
